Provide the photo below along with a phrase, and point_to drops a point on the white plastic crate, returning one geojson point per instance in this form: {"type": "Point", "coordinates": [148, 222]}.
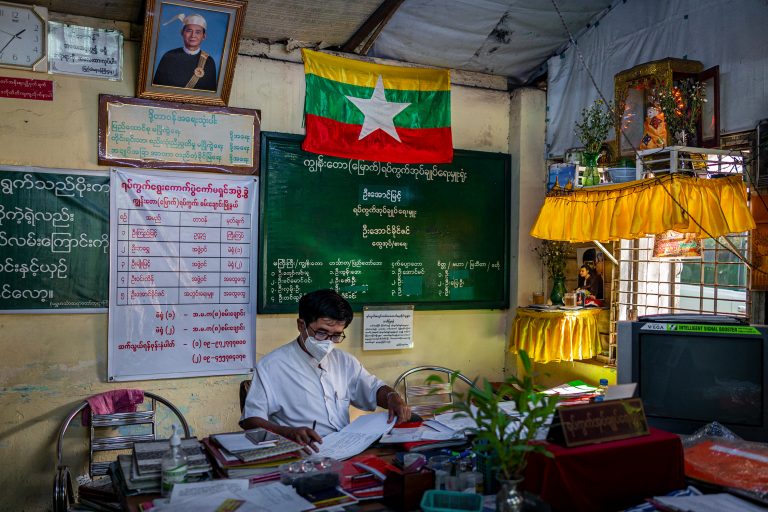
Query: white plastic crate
{"type": "Point", "coordinates": [703, 162]}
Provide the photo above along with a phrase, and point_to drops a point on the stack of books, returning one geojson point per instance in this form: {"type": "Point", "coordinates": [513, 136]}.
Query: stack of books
{"type": "Point", "coordinates": [575, 392]}
{"type": "Point", "coordinates": [140, 472]}
{"type": "Point", "coordinates": [254, 454]}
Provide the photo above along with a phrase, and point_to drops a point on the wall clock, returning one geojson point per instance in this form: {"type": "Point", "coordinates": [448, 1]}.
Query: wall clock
{"type": "Point", "coordinates": [23, 36]}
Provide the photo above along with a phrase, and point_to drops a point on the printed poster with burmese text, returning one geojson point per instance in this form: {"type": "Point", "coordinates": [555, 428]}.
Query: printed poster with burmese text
{"type": "Point", "coordinates": [182, 274]}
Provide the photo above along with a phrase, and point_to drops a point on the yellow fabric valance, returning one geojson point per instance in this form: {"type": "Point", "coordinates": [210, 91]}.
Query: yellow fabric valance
{"type": "Point", "coordinates": [707, 207]}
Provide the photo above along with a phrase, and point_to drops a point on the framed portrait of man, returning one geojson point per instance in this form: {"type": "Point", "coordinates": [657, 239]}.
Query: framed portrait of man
{"type": "Point", "coordinates": [189, 50]}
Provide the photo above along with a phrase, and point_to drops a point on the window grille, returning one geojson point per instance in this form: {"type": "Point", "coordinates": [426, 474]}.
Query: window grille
{"type": "Point", "coordinates": [714, 284]}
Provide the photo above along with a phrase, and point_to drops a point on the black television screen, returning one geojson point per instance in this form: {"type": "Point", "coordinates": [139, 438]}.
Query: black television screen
{"type": "Point", "coordinates": [691, 374]}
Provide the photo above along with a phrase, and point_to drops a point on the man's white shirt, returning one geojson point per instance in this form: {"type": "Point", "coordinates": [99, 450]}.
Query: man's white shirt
{"type": "Point", "coordinates": [292, 388]}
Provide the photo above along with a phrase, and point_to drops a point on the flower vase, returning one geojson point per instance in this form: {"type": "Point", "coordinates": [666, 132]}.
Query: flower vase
{"type": "Point", "coordinates": [591, 175]}
{"type": "Point", "coordinates": [509, 499]}
{"type": "Point", "coordinates": [558, 290]}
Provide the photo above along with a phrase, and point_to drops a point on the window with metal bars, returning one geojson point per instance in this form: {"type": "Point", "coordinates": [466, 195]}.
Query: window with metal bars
{"type": "Point", "coordinates": [716, 283]}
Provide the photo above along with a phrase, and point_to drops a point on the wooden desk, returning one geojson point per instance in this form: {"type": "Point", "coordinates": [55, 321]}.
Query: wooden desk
{"type": "Point", "coordinates": [556, 335]}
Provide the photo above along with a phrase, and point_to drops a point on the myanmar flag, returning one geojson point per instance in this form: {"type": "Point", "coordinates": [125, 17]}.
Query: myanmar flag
{"type": "Point", "coordinates": [368, 111]}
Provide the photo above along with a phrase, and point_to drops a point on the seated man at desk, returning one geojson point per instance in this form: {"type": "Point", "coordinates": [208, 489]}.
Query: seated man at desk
{"type": "Point", "coordinates": [303, 389]}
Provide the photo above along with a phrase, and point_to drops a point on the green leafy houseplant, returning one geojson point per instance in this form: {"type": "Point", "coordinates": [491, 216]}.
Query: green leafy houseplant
{"type": "Point", "coordinates": [505, 438]}
{"type": "Point", "coordinates": [596, 121]}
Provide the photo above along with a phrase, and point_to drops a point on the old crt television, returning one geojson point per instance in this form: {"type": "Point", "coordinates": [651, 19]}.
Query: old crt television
{"type": "Point", "coordinates": [695, 369]}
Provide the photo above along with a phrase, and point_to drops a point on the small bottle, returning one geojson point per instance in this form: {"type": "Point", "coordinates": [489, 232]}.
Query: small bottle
{"type": "Point", "coordinates": [174, 465]}
{"type": "Point", "coordinates": [601, 389]}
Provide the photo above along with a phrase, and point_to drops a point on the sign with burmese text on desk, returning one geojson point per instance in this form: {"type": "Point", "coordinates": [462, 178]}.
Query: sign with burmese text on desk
{"type": "Point", "coordinates": [435, 236]}
{"type": "Point", "coordinates": [182, 274]}
{"type": "Point", "coordinates": [163, 135]}
{"type": "Point", "coordinates": [599, 422]}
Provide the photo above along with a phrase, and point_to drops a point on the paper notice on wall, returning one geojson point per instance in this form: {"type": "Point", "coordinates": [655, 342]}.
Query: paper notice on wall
{"type": "Point", "coordinates": [387, 328]}
{"type": "Point", "coordinates": [85, 51]}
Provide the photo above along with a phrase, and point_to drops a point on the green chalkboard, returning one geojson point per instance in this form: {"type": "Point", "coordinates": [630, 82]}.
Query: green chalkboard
{"type": "Point", "coordinates": [54, 240]}
{"type": "Point", "coordinates": [435, 236]}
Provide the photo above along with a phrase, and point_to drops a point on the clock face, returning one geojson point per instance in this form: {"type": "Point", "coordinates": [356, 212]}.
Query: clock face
{"type": "Point", "coordinates": [23, 33]}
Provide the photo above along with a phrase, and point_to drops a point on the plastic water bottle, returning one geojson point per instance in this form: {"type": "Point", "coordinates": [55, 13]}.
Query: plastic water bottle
{"type": "Point", "coordinates": [174, 465]}
{"type": "Point", "coordinates": [602, 388]}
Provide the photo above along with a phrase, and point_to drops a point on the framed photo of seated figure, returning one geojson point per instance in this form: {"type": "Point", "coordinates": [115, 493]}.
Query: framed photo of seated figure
{"type": "Point", "coordinates": [189, 50]}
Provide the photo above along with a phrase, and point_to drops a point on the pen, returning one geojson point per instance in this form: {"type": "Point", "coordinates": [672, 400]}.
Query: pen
{"type": "Point", "coordinates": [314, 424]}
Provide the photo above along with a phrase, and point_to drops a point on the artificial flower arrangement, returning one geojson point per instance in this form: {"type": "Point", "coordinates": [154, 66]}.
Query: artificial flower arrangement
{"type": "Point", "coordinates": [681, 106]}
{"type": "Point", "coordinates": [554, 256]}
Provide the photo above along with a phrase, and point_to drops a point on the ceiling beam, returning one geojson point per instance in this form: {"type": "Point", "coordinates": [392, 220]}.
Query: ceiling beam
{"type": "Point", "coordinates": [372, 27]}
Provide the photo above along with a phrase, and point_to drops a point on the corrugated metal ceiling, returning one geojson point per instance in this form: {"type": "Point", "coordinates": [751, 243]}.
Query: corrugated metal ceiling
{"type": "Point", "coordinates": [511, 38]}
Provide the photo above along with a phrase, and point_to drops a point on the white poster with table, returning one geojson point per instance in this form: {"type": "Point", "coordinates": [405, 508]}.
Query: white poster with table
{"type": "Point", "coordinates": [182, 274]}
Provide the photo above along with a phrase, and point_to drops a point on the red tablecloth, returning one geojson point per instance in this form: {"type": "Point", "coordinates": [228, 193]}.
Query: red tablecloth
{"type": "Point", "coordinates": [608, 476]}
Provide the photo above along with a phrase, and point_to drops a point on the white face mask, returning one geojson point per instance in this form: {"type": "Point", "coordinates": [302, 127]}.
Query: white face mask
{"type": "Point", "coordinates": [318, 348]}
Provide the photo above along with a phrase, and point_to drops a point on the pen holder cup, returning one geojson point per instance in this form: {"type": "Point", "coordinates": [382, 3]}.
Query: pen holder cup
{"type": "Point", "coordinates": [403, 491]}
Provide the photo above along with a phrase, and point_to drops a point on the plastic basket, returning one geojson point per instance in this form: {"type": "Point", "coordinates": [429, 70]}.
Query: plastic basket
{"type": "Point", "coordinates": [622, 174]}
{"type": "Point", "coordinates": [451, 501]}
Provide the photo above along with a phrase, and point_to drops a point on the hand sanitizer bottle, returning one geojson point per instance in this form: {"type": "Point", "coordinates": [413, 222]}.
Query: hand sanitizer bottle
{"type": "Point", "coordinates": [174, 465]}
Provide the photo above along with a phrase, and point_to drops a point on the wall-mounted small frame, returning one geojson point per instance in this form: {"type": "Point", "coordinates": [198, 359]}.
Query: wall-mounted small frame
{"type": "Point", "coordinates": [189, 50]}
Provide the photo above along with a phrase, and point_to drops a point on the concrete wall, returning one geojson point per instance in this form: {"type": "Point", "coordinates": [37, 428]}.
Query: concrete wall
{"type": "Point", "coordinates": [52, 362]}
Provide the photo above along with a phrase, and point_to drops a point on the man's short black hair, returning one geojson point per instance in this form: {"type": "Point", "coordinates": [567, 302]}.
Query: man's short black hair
{"type": "Point", "coordinates": [324, 304]}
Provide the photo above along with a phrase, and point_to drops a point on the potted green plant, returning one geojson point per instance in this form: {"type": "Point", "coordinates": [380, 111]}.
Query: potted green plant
{"type": "Point", "coordinates": [554, 256]}
{"type": "Point", "coordinates": [596, 121]}
{"type": "Point", "coordinates": [505, 439]}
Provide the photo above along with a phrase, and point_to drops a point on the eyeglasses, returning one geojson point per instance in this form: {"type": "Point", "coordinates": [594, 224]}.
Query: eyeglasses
{"type": "Point", "coordinates": [322, 335]}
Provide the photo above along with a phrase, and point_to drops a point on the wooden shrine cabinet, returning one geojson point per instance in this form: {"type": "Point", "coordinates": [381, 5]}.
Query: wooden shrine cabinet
{"type": "Point", "coordinates": [633, 89]}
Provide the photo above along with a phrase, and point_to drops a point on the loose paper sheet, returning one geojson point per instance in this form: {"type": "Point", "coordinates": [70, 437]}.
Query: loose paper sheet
{"type": "Point", "coordinates": [355, 437]}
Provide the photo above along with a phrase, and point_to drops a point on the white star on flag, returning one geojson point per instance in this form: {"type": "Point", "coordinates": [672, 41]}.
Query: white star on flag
{"type": "Point", "coordinates": [379, 113]}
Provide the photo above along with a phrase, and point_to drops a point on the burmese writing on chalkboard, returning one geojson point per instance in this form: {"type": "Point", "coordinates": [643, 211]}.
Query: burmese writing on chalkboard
{"type": "Point", "coordinates": [54, 240]}
{"type": "Point", "coordinates": [436, 236]}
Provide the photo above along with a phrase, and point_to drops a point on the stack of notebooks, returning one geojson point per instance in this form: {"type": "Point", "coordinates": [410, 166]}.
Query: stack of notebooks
{"type": "Point", "coordinates": [574, 392]}
{"type": "Point", "coordinates": [254, 454]}
{"type": "Point", "coordinates": [139, 472]}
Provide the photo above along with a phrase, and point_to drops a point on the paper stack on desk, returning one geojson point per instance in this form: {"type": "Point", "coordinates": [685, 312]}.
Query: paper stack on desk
{"type": "Point", "coordinates": [254, 454]}
{"type": "Point", "coordinates": [355, 437]}
{"type": "Point", "coordinates": [573, 392]}
{"type": "Point", "coordinates": [255, 445]}
{"type": "Point", "coordinates": [429, 435]}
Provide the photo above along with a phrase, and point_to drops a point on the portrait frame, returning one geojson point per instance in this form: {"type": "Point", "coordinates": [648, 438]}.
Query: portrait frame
{"type": "Point", "coordinates": [163, 25]}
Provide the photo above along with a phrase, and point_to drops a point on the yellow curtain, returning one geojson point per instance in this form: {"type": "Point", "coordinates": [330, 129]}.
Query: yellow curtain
{"type": "Point", "coordinates": [707, 207]}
